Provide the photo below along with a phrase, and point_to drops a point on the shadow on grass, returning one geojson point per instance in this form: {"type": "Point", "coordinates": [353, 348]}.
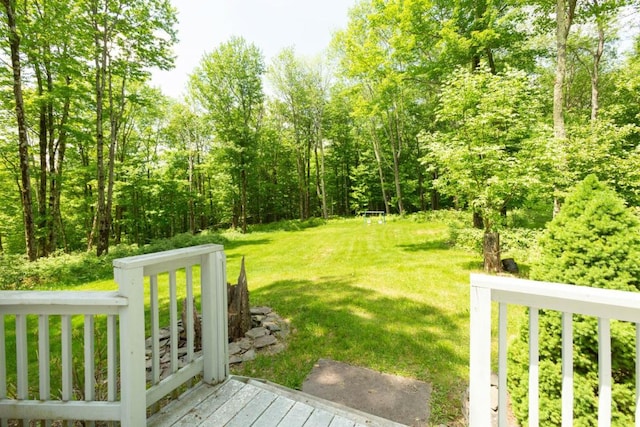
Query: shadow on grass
{"type": "Point", "coordinates": [335, 319]}
{"type": "Point", "coordinates": [430, 245]}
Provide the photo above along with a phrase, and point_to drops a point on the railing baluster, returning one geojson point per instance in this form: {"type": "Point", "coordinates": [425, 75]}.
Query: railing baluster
{"type": "Point", "coordinates": [89, 365]}
{"type": "Point", "coordinates": [112, 358]}
{"type": "Point", "coordinates": [480, 358]}
{"type": "Point", "coordinates": [567, 369]}
{"type": "Point", "coordinates": [637, 374]}
{"type": "Point", "coordinates": [173, 314]}
{"type": "Point", "coordinates": [89, 352]}
{"type": "Point", "coordinates": [3, 358]}
{"type": "Point", "coordinates": [67, 358]}
{"type": "Point", "coordinates": [3, 368]}
{"type": "Point", "coordinates": [43, 357]}
{"type": "Point", "coordinates": [189, 314]}
{"type": "Point", "coordinates": [604, 372]}
{"type": "Point", "coordinates": [502, 364]}
{"type": "Point", "coordinates": [534, 418]}
{"type": "Point", "coordinates": [21, 355]}
{"type": "Point", "coordinates": [155, 328]}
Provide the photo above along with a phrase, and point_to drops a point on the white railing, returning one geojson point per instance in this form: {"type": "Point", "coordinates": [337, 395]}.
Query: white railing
{"type": "Point", "coordinates": [604, 304]}
{"type": "Point", "coordinates": [129, 394]}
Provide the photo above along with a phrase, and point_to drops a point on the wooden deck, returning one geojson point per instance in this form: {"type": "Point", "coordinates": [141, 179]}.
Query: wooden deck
{"type": "Point", "coordinates": [244, 402]}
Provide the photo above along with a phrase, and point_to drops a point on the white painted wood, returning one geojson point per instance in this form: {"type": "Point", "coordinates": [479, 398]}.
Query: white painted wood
{"type": "Point", "coordinates": [502, 364]}
{"type": "Point", "coordinates": [228, 390]}
{"type": "Point", "coordinates": [637, 375]}
{"type": "Point", "coordinates": [480, 358]}
{"type": "Point", "coordinates": [252, 410]}
{"type": "Point", "coordinates": [534, 418]}
{"type": "Point", "coordinates": [67, 358]}
{"type": "Point", "coordinates": [44, 355]}
{"type": "Point", "coordinates": [89, 356]}
{"type": "Point", "coordinates": [341, 422]}
{"type": "Point", "coordinates": [186, 402]}
{"type": "Point", "coordinates": [189, 316]}
{"type": "Point", "coordinates": [112, 358]}
{"type": "Point", "coordinates": [172, 382]}
{"type": "Point", "coordinates": [173, 320]}
{"type": "Point", "coordinates": [604, 373]}
{"type": "Point", "coordinates": [132, 346]}
{"type": "Point", "coordinates": [77, 410]}
{"type": "Point", "coordinates": [561, 297]}
{"type": "Point", "coordinates": [164, 258]}
{"type": "Point", "coordinates": [319, 418]}
{"type": "Point", "coordinates": [59, 299]}
{"type": "Point", "coordinates": [3, 360]}
{"type": "Point", "coordinates": [272, 416]}
{"type": "Point", "coordinates": [227, 411]}
{"type": "Point", "coordinates": [154, 312]}
{"type": "Point", "coordinates": [567, 369]}
{"type": "Point", "coordinates": [214, 318]}
{"type": "Point", "coordinates": [22, 362]}
{"type": "Point", "coordinates": [297, 415]}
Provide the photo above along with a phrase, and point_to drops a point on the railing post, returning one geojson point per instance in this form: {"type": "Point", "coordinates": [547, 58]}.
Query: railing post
{"type": "Point", "coordinates": [132, 347]}
{"type": "Point", "coordinates": [215, 341]}
{"type": "Point", "coordinates": [480, 357]}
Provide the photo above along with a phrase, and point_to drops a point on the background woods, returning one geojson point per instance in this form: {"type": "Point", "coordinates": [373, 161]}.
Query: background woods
{"type": "Point", "coordinates": [490, 106]}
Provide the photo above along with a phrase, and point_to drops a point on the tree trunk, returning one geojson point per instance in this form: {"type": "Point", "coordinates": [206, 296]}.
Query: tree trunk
{"type": "Point", "coordinates": [23, 141]}
{"type": "Point", "coordinates": [564, 17]}
{"type": "Point", "coordinates": [478, 221]}
{"type": "Point", "coordinates": [491, 251]}
{"type": "Point", "coordinates": [378, 154]}
{"type": "Point", "coordinates": [595, 74]}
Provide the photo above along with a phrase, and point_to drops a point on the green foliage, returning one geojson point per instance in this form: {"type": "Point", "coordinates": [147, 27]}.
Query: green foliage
{"type": "Point", "coordinates": [61, 269]}
{"type": "Point", "coordinates": [593, 241]}
{"type": "Point", "coordinates": [490, 150]}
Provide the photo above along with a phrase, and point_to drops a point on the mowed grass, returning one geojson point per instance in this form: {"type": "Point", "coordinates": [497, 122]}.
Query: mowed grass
{"type": "Point", "coordinates": [391, 297]}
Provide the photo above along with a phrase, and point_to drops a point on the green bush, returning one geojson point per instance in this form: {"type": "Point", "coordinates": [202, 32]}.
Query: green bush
{"type": "Point", "coordinates": [593, 241]}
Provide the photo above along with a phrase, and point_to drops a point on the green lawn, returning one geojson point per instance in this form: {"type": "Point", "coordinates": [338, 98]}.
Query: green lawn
{"type": "Point", "coordinates": [391, 297]}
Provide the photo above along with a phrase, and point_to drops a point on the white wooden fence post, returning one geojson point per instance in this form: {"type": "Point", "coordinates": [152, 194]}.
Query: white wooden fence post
{"type": "Point", "coordinates": [215, 341]}
{"type": "Point", "coordinates": [132, 347]}
{"type": "Point", "coordinates": [480, 357]}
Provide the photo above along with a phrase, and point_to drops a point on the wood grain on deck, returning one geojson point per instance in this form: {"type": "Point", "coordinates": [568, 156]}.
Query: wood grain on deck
{"type": "Point", "coordinates": [241, 402]}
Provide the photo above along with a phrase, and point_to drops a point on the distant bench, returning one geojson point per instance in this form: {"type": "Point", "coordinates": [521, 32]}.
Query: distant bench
{"type": "Point", "coordinates": [381, 215]}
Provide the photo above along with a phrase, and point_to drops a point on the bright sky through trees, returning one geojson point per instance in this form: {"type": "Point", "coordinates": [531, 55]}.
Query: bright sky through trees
{"type": "Point", "coordinates": [271, 24]}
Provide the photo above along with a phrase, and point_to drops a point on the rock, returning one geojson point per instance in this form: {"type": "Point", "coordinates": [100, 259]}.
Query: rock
{"type": "Point", "coordinates": [234, 348]}
{"type": "Point", "coordinates": [510, 266]}
{"type": "Point", "coordinates": [260, 310]}
{"type": "Point", "coordinates": [265, 341]}
{"type": "Point", "coordinates": [272, 326]}
{"type": "Point", "coordinates": [494, 398]}
{"type": "Point", "coordinates": [235, 359]}
{"type": "Point", "coordinates": [245, 344]}
{"type": "Point", "coordinates": [256, 333]}
{"type": "Point", "coordinates": [249, 355]}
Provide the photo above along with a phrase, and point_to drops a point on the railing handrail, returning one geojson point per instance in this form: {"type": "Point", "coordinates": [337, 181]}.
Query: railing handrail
{"type": "Point", "coordinates": [605, 304]}
{"type": "Point", "coordinates": [146, 260]}
{"type": "Point", "coordinates": [46, 302]}
{"type": "Point", "coordinates": [555, 296]}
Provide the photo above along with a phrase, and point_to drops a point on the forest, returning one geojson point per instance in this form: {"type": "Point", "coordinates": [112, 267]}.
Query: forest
{"type": "Point", "coordinates": [490, 106]}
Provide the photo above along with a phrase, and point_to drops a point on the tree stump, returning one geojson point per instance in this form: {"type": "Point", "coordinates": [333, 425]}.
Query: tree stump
{"type": "Point", "coordinates": [491, 250]}
{"type": "Point", "coordinates": [238, 306]}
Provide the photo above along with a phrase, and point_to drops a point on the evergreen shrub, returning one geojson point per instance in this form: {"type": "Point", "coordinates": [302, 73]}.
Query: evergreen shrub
{"type": "Point", "coordinates": [593, 241]}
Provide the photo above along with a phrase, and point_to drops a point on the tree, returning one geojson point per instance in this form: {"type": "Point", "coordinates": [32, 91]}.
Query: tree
{"type": "Point", "coordinates": [488, 154]}
{"type": "Point", "coordinates": [127, 38]}
{"type": "Point", "coordinates": [593, 241]}
{"type": "Point", "coordinates": [23, 141]}
{"type": "Point", "coordinates": [228, 85]}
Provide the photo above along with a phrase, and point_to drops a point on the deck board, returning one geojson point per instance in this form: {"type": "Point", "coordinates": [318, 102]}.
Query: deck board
{"type": "Point", "coordinates": [243, 402]}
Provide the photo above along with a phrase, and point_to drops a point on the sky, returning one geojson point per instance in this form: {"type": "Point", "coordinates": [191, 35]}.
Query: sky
{"type": "Point", "coordinates": [271, 25]}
